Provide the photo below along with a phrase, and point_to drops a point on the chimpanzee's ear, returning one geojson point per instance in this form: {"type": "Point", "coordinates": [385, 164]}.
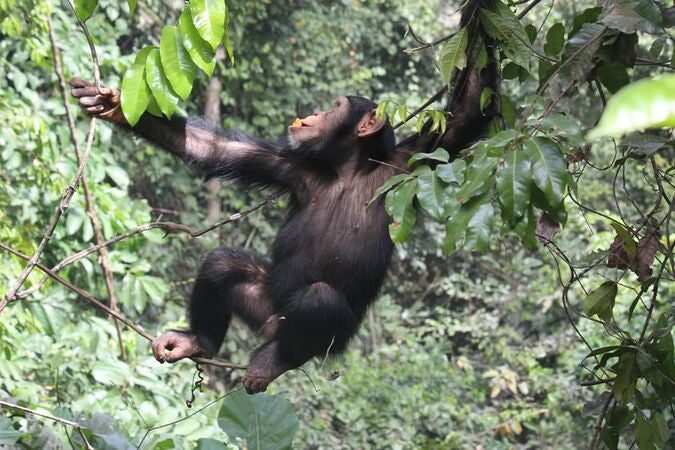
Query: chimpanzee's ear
{"type": "Point", "coordinates": [370, 124]}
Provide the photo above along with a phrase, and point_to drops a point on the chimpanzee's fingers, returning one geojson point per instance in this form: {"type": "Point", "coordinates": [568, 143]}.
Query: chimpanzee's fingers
{"type": "Point", "coordinates": [177, 354]}
{"type": "Point", "coordinates": [95, 109]}
{"type": "Point", "coordinates": [92, 101]}
{"type": "Point", "coordinates": [158, 349]}
{"type": "Point", "coordinates": [106, 91]}
{"type": "Point", "coordinates": [87, 91]}
{"type": "Point", "coordinates": [77, 82]}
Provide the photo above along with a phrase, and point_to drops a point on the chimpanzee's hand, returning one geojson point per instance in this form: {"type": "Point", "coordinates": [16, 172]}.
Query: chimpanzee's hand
{"type": "Point", "coordinates": [173, 346]}
{"type": "Point", "coordinates": [103, 104]}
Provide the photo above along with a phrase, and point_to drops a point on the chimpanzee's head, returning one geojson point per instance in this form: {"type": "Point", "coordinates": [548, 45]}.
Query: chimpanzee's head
{"type": "Point", "coordinates": [351, 125]}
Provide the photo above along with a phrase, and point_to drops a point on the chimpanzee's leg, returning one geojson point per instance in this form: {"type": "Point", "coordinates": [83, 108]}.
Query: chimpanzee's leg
{"type": "Point", "coordinates": [230, 281]}
{"type": "Point", "coordinates": [316, 320]}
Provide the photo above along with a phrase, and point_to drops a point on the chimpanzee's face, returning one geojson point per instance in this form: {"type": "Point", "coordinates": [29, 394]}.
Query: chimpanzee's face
{"type": "Point", "coordinates": [320, 125]}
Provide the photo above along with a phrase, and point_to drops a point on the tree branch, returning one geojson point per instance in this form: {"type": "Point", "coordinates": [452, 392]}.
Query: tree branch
{"type": "Point", "coordinates": [69, 423]}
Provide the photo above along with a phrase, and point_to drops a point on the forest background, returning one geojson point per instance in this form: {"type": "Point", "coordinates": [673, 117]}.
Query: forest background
{"type": "Point", "coordinates": [508, 342]}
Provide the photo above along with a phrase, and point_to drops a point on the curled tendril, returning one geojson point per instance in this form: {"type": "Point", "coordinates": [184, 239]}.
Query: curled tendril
{"type": "Point", "coordinates": [197, 382]}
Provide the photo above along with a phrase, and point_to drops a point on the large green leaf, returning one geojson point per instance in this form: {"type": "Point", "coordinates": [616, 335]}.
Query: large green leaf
{"type": "Point", "coordinates": [431, 195]}
{"type": "Point", "coordinates": [199, 50]}
{"type": "Point", "coordinates": [177, 65]}
{"type": "Point", "coordinates": [478, 179]}
{"type": "Point", "coordinates": [549, 169]}
{"type": "Point", "coordinates": [159, 84]}
{"type": "Point", "coordinates": [514, 183]}
{"type": "Point", "coordinates": [135, 93]}
{"type": "Point", "coordinates": [504, 26]}
{"type": "Point", "coordinates": [390, 183]}
{"type": "Point", "coordinates": [132, 5]}
{"type": "Point", "coordinates": [555, 39]}
{"type": "Point", "coordinates": [439, 155]}
{"type": "Point", "coordinates": [264, 421]}
{"type": "Point", "coordinates": [648, 103]}
{"type": "Point", "coordinates": [479, 228]}
{"type": "Point", "coordinates": [579, 51]}
{"type": "Point", "coordinates": [452, 173]}
{"type": "Point", "coordinates": [601, 301]}
{"type": "Point", "coordinates": [84, 8]}
{"type": "Point", "coordinates": [208, 17]}
{"type": "Point", "coordinates": [399, 205]}
{"type": "Point", "coordinates": [453, 54]}
{"type": "Point", "coordinates": [456, 227]}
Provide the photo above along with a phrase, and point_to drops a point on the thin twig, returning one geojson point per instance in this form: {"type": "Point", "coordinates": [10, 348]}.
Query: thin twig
{"type": "Point", "coordinates": [90, 298]}
{"type": "Point", "coordinates": [92, 47]}
{"type": "Point", "coordinates": [598, 424]}
{"type": "Point", "coordinates": [88, 200]}
{"type": "Point", "coordinates": [174, 422]}
{"type": "Point", "coordinates": [60, 210]}
{"type": "Point", "coordinates": [70, 423]}
{"type": "Point", "coordinates": [169, 227]}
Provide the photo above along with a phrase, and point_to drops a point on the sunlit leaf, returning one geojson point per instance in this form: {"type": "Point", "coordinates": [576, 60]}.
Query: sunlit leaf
{"type": "Point", "coordinates": [648, 103]}
{"type": "Point", "coordinates": [438, 155]}
{"type": "Point", "coordinates": [208, 17]}
{"type": "Point", "coordinates": [452, 173]}
{"type": "Point", "coordinates": [135, 93]}
{"type": "Point", "coordinates": [199, 50]}
{"type": "Point", "coordinates": [132, 5]}
{"type": "Point", "coordinates": [177, 65]}
{"type": "Point", "coordinates": [159, 84]}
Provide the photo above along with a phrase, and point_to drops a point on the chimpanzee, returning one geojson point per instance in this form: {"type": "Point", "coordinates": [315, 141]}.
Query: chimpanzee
{"type": "Point", "coordinates": [331, 255]}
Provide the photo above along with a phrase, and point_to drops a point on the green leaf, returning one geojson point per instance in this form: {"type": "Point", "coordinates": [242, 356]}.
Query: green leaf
{"type": "Point", "coordinates": [159, 85]}
{"type": "Point", "coordinates": [177, 65]}
{"type": "Point", "coordinates": [508, 110]}
{"type": "Point", "coordinates": [132, 5]}
{"type": "Point", "coordinates": [199, 50]}
{"type": "Point", "coordinates": [453, 54]}
{"type": "Point", "coordinates": [456, 228]}
{"type": "Point", "coordinates": [74, 222]}
{"type": "Point", "coordinates": [208, 17]}
{"type": "Point", "coordinates": [622, 18]}
{"type": "Point", "coordinates": [399, 206]}
{"type": "Point", "coordinates": [657, 47]}
{"type": "Point", "coordinates": [452, 173]}
{"type": "Point", "coordinates": [479, 228]}
{"type": "Point", "coordinates": [601, 301]}
{"type": "Point", "coordinates": [478, 179]}
{"type": "Point", "coordinates": [390, 183]}
{"type": "Point", "coordinates": [629, 245]}
{"type": "Point", "coordinates": [84, 8]}
{"type": "Point", "coordinates": [503, 25]}
{"type": "Point", "coordinates": [643, 433]}
{"type": "Point", "coordinates": [438, 155]}
{"type": "Point", "coordinates": [589, 15]}
{"type": "Point", "coordinates": [431, 195]}
{"type": "Point", "coordinates": [227, 42]}
{"type": "Point", "coordinates": [135, 93]}
{"type": "Point", "coordinates": [210, 444]}
{"type": "Point", "coordinates": [486, 97]}
{"type": "Point", "coordinates": [648, 9]}
{"type": "Point", "coordinates": [514, 183]}
{"type": "Point", "coordinates": [613, 75]}
{"type": "Point", "coordinates": [648, 103]}
{"type": "Point", "coordinates": [264, 421]}
{"type": "Point", "coordinates": [549, 169]}
{"type": "Point", "coordinates": [579, 52]}
{"type": "Point", "coordinates": [8, 435]}
{"type": "Point", "coordinates": [555, 39]}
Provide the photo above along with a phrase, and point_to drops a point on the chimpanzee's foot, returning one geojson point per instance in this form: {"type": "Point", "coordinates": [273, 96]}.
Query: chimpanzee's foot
{"type": "Point", "coordinates": [263, 368]}
{"type": "Point", "coordinates": [174, 345]}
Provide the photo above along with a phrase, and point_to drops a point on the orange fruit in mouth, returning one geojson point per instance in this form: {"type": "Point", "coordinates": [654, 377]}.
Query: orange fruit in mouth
{"type": "Point", "coordinates": [297, 123]}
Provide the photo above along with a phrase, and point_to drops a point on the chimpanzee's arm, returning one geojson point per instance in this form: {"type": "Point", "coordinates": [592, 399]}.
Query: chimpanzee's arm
{"type": "Point", "coordinates": [217, 153]}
